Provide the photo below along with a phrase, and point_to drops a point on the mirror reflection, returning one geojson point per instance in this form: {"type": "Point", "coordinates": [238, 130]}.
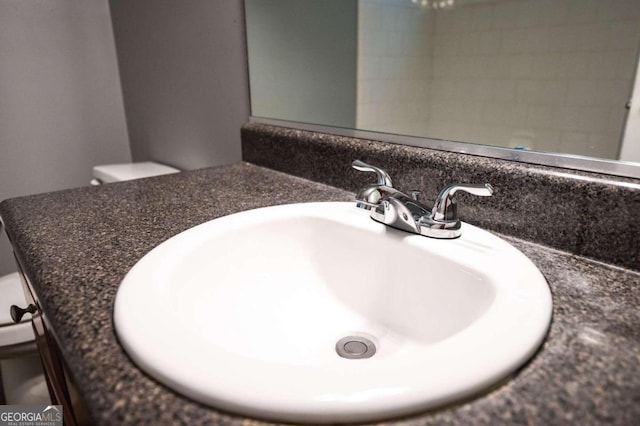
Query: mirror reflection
{"type": "Point", "coordinates": [543, 75]}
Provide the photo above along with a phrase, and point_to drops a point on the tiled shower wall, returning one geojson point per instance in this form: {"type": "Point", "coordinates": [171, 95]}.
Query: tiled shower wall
{"type": "Point", "coordinates": [549, 75]}
{"type": "Point", "coordinates": [394, 66]}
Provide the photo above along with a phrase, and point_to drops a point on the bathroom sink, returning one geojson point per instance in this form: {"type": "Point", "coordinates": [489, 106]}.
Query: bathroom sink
{"type": "Point", "coordinates": [316, 313]}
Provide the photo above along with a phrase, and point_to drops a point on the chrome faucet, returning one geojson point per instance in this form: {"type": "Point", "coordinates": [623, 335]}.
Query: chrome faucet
{"type": "Point", "coordinates": [401, 211]}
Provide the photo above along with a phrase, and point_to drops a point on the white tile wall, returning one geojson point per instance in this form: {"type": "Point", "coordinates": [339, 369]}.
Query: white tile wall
{"type": "Point", "coordinates": [553, 75]}
{"type": "Point", "coordinates": [394, 54]}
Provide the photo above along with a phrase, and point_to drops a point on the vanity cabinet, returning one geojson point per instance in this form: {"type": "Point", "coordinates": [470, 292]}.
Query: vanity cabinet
{"type": "Point", "coordinates": [62, 389]}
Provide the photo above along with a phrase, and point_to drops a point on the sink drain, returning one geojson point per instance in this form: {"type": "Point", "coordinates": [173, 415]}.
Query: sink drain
{"type": "Point", "coordinates": [355, 347]}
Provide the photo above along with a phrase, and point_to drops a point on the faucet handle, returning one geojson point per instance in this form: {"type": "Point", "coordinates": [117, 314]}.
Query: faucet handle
{"type": "Point", "coordinates": [371, 195]}
{"type": "Point", "coordinates": [383, 177]}
{"type": "Point", "coordinates": [445, 208]}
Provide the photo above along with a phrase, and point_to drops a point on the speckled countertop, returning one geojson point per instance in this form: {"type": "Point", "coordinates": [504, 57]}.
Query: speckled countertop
{"type": "Point", "coordinates": [77, 245]}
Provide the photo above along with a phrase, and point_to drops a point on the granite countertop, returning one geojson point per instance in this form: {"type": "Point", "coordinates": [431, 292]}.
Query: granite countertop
{"type": "Point", "coordinates": [77, 245]}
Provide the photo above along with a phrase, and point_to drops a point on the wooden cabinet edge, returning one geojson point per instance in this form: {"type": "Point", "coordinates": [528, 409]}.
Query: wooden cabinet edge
{"type": "Point", "coordinates": [62, 389]}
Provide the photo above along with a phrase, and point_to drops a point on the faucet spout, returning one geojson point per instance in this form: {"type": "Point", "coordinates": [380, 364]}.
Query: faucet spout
{"type": "Point", "coordinates": [401, 212]}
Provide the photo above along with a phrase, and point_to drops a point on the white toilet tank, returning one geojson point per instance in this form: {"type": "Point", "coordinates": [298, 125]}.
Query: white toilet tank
{"type": "Point", "coordinates": [118, 172]}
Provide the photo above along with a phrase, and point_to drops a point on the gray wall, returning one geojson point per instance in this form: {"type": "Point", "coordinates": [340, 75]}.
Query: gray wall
{"type": "Point", "coordinates": [61, 107]}
{"type": "Point", "coordinates": [303, 60]}
{"type": "Point", "coordinates": [184, 78]}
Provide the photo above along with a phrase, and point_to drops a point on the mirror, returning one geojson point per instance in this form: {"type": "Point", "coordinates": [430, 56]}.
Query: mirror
{"type": "Point", "coordinates": [548, 76]}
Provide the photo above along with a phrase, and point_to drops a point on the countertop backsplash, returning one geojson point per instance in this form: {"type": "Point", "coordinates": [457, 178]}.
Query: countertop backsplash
{"type": "Point", "coordinates": [588, 214]}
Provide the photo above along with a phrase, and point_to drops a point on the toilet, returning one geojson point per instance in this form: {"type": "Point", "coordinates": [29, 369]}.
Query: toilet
{"type": "Point", "coordinates": [22, 380]}
{"type": "Point", "coordinates": [21, 375]}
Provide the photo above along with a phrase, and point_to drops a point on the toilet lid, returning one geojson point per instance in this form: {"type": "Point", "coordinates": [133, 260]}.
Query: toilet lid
{"type": "Point", "coordinates": [11, 293]}
{"type": "Point", "coordinates": [118, 172]}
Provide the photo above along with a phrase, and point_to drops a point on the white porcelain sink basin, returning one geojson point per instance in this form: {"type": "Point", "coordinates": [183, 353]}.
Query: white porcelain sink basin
{"type": "Point", "coordinates": [244, 312]}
